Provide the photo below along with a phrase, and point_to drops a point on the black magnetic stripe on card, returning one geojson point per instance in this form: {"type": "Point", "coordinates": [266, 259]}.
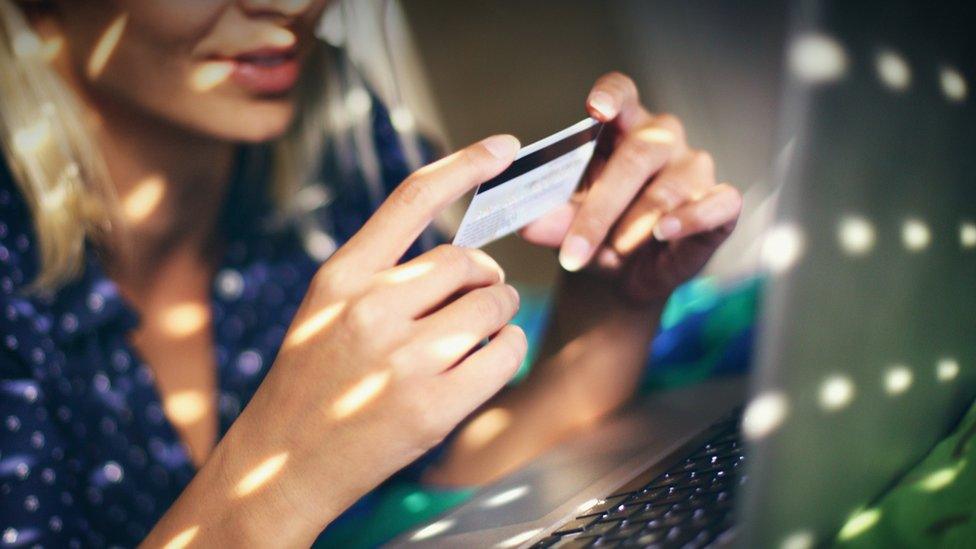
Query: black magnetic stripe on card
{"type": "Point", "coordinates": [542, 156]}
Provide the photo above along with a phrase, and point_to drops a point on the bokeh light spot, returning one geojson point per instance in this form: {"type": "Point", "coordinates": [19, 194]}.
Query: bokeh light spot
{"type": "Point", "coordinates": [185, 407]}
{"type": "Point", "coordinates": [782, 247]}
{"type": "Point", "coordinates": [893, 70]}
{"type": "Point", "coordinates": [946, 369]}
{"type": "Point", "coordinates": [764, 415]}
{"type": "Point", "coordinates": [940, 478]}
{"type": "Point", "coordinates": [856, 235]}
{"type": "Point", "coordinates": [967, 235]}
{"type": "Point", "coordinates": [314, 324]}
{"type": "Point", "coordinates": [817, 58]}
{"type": "Point", "coordinates": [836, 392]}
{"type": "Point", "coordinates": [915, 235]}
{"type": "Point", "coordinates": [485, 428]}
{"type": "Point", "coordinates": [898, 379]}
{"type": "Point", "coordinates": [29, 140]}
{"type": "Point", "coordinates": [953, 84]}
{"type": "Point", "coordinates": [802, 539]}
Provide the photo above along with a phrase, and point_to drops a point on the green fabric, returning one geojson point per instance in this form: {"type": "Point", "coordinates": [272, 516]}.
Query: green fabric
{"type": "Point", "coordinates": [933, 506]}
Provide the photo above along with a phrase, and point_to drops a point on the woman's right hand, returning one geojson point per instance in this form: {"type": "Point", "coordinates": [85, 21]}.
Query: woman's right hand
{"type": "Point", "coordinates": [382, 360]}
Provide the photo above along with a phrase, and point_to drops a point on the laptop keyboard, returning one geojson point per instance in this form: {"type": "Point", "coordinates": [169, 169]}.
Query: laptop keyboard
{"type": "Point", "coordinates": [687, 506]}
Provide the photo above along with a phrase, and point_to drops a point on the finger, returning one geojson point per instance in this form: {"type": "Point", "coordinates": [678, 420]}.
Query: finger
{"type": "Point", "coordinates": [481, 375]}
{"type": "Point", "coordinates": [676, 185]}
{"type": "Point", "coordinates": [720, 206]}
{"type": "Point", "coordinates": [388, 234]}
{"type": "Point", "coordinates": [430, 279]}
{"type": "Point", "coordinates": [614, 97]}
{"type": "Point", "coordinates": [638, 156]}
{"type": "Point", "coordinates": [447, 335]}
{"type": "Point", "coordinates": [550, 229]}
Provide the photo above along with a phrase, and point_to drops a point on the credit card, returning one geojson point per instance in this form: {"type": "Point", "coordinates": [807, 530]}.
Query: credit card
{"type": "Point", "coordinates": [542, 177]}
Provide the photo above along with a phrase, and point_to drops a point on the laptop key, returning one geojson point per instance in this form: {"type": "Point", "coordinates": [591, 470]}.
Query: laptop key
{"type": "Point", "coordinates": [576, 525]}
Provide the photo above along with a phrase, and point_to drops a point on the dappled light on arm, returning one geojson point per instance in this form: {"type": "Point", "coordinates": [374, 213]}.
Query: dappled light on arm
{"type": "Point", "coordinates": [183, 539]}
{"type": "Point", "coordinates": [260, 475]}
{"type": "Point", "coordinates": [408, 272]}
{"type": "Point", "coordinates": [106, 46]}
{"type": "Point", "coordinates": [30, 139]}
{"type": "Point", "coordinates": [360, 394]}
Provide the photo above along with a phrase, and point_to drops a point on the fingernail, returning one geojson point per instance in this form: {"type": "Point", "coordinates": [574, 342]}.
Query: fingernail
{"type": "Point", "coordinates": [602, 103]}
{"type": "Point", "coordinates": [515, 294]}
{"type": "Point", "coordinates": [574, 253]}
{"type": "Point", "coordinates": [502, 146]}
{"type": "Point", "coordinates": [667, 228]}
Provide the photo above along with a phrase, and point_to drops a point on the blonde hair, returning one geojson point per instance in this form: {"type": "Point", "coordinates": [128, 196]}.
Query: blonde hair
{"type": "Point", "coordinates": [64, 180]}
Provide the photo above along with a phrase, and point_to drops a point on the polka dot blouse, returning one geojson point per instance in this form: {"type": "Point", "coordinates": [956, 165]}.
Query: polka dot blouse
{"type": "Point", "coordinates": [87, 457]}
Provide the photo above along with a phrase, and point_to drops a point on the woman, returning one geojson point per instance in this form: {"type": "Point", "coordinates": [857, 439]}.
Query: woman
{"type": "Point", "coordinates": [151, 290]}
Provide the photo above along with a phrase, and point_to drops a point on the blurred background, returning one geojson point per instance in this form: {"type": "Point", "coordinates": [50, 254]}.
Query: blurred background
{"type": "Point", "coordinates": [470, 69]}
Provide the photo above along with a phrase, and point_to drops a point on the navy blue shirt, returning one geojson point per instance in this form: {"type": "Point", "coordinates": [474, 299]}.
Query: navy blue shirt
{"type": "Point", "coordinates": [87, 457]}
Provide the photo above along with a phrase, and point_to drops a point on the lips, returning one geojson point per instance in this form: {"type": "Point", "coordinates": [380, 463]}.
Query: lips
{"type": "Point", "coordinates": [266, 71]}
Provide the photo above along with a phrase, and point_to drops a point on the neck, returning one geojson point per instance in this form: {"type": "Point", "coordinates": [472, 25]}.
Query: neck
{"type": "Point", "coordinates": [170, 183]}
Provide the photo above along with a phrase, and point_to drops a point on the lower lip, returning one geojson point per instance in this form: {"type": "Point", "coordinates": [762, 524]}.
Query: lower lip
{"type": "Point", "coordinates": [263, 79]}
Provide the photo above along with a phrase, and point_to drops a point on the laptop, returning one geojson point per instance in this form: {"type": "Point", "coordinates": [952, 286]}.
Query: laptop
{"type": "Point", "coordinates": [864, 356]}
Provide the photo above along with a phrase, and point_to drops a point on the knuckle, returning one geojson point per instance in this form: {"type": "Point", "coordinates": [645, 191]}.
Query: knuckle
{"type": "Point", "coordinates": [413, 191]}
{"type": "Point", "coordinates": [480, 263]}
{"type": "Point", "coordinates": [329, 281]}
{"type": "Point", "coordinates": [363, 315]}
{"type": "Point", "coordinates": [488, 304]}
{"type": "Point", "coordinates": [664, 195]}
{"type": "Point", "coordinates": [670, 122]}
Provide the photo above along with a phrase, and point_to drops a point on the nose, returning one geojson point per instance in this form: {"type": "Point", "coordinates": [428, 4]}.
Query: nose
{"type": "Point", "coordinates": [281, 8]}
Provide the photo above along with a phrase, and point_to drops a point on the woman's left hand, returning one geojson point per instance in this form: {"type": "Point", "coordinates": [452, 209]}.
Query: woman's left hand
{"type": "Point", "coordinates": [650, 213]}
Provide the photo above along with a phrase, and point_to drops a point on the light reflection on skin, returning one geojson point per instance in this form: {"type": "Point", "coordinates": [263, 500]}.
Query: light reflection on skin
{"type": "Point", "coordinates": [184, 319]}
{"type": "Point", "coordinates": [105, 46]}
{"type": "Point", "coordinates": [260, 475]}
{"type": "Point", "coordinates": [408, 272]}
{"type": "Point", "coordinates": [485, 428]}
{"type": "Point", "coordinates": [638, 230]}
{"type": "Point", "coordinates": [183, 539]}
{"type": "Point", "coordinates": [140, 202]}
{"type": "Point", "coordinates": [211, 74]}
{"type": "Point", "coordinates": [656, 135]}
{"type": "Point", "coordinates": [185, 407]}
{"type": "Point", "coordinates": [360, 394]}
{"type": "Point", "coordinates": [318, 322]}
{"type": "Point", "coordinates": [449, 348]}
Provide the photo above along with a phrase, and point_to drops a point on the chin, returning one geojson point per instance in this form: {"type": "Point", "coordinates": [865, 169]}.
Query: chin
{"type": "Point", "coordinates": [260, 123]}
